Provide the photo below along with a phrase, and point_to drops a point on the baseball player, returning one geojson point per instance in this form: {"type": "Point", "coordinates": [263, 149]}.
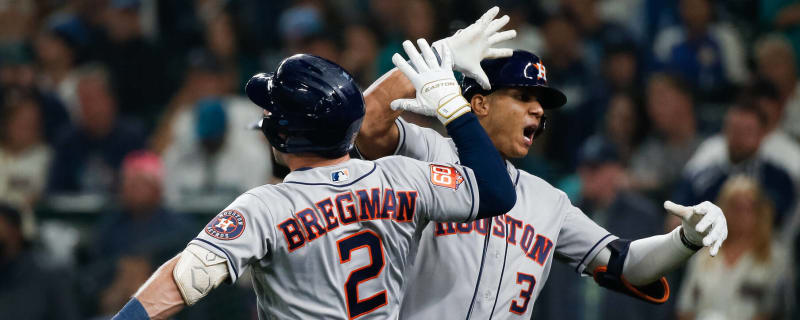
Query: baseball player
{"type": "Point", "coordinates": [334, 239]}
{"type": "Point", "coordinates": [494, 268]}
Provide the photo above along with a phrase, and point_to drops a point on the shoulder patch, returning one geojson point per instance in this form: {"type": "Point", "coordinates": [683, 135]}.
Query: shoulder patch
{"type": "Point", "coordinates": [445, 176]}
{"type": "Point", "coordinates": [227, 225]}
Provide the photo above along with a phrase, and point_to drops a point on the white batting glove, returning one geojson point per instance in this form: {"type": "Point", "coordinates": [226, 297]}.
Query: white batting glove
{"type": "Point", "coordinates": [703, 224]}
{"type": "Point", "coordinates": [438, 92]}
{"type": "Point", "coordinates": [474, 43]}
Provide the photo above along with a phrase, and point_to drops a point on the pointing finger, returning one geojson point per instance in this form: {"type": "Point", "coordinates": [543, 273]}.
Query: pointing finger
{"type": "Point", "coordinates": [678, 210]}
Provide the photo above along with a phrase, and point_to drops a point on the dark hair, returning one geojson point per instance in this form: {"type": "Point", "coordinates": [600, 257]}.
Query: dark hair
{"type": "Point", "coordinates": [674, 80]}
{"type": "Point", "coordinates": [746, 103]}
{"type": "Point", "coordinates": [765, 89]}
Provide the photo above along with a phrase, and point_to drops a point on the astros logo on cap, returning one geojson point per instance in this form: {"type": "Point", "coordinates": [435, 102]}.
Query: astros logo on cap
{"type": "Point", "coordinates": [542, 71]}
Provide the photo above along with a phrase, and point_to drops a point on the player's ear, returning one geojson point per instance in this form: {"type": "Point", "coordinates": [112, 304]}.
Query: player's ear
{"type": "Point", "coordinates": [480, 105]}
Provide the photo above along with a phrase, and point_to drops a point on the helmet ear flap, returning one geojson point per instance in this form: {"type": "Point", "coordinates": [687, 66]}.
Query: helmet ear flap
{"type": "Point", "coordinates": [540, 129]}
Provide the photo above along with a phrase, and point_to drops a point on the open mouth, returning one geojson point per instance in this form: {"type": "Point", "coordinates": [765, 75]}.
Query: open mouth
{"type": "Point", "coordinates": [528, 133]}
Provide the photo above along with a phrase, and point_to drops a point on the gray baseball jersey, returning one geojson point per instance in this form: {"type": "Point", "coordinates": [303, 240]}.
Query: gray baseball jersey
{"type": "Point", "coordinates": [493, 268]}
{"type": "Point", "coordinates": [335, 242]}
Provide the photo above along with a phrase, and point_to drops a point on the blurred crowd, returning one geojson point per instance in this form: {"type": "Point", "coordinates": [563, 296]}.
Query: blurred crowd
{"type": "Point", "coordinates": [123, 129]}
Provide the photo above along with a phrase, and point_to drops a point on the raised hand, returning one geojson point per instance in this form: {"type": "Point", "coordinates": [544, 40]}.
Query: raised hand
{"type": "Point", "coordinates": [438, 92]}
{"type": "Point", "coordinates": [476, 42]}
{"type": "Point", "coordinates": [703, 224]}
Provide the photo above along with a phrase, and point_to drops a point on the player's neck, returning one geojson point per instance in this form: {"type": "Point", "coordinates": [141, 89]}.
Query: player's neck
{"type": "Point", "coordinates": [295, 162]}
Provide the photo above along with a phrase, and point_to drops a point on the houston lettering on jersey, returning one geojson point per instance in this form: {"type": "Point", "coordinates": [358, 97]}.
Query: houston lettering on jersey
{"type": "Point", "coordinates": [535, 246]}
{"type": "Point", "coordinates": [345, 208]}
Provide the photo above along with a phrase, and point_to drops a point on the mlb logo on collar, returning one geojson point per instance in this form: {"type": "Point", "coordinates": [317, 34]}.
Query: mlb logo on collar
{"type": "Point", "coordinates": [340, 175]}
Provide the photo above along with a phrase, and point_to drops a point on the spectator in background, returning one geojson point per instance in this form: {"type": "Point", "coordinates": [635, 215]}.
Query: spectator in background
{"type": "Point", "coordinates": [417, 19]}
{"type": "Point", "coordinates": [18, 82]}
{"type": "Point", "coordinates": [742, 282]}
{"type": "Point", "coordinates": [776, 63]}
{"type": "Point", "coordinates": [657, 163]}
{"type": "Point", "coordinates": [88, 156]}
{"type": "Point", "coordinates": [741, 14]}
{"type": "Point", "coordinates": [706, 53]}
{"type": "Point", "coordinates": [621, 67]}
{"type": "Point", "coordinates": [304, 28]}
{"type": "Point", "coordinates": [778, 146]}
{"type": "Point", "coordinates": [744, 131]}
{"type": "Point", "coordinates": [529, 37]}
{"type": "Point", "coordinates": [596, 33]}
{"type": "Point", "coordinates": [30, 290]}
{"type": "Point", "coordinates": [302, 19]}
{"type": "Point", "coordinates": [359, 54]}
{"type": "Point", "coordinates": [326, 45]}
{"type": "Point", "coordinates": [782, 16]}
{"type": "Point", "coordinates": [624, 127]}
{"type": "Point", "coordinates": [567, 71]}
{"type": "Point", "coordinates": [621, 76]}
{"type": "Point", "coordinates": [213, 158]}
{"type": "Point", "coordinates": [222, 41]}
{"type": "Point", "coordinates": [387, 18]}
{"type": "Point", "coordinates": [139, 71]}
{"type": "Point", "coordinates": [206, 77]}
{"type": "Point", "coordinates": [24, 157]}
{"type": "Point", "coordinates": [142, 230]}
{"type": "Point", "coordinates": [57, 49]}
{"type": "Point", "coordinates": [17, 23]}
{"type": "Point", "coordinates": [143, 224]}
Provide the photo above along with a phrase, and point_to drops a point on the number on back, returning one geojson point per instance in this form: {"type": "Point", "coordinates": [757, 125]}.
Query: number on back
{"type": "Point", "coordinates": [370, 241]}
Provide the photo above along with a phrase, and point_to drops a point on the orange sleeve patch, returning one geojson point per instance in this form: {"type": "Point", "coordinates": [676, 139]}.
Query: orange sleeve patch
{"type": "Point", "coordinates": [445, 176]}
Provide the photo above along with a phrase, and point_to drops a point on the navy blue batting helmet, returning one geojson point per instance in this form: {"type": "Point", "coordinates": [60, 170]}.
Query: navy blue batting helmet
{"type": "Point", "coordinates": [522, 69]}
{"type": "Point", "coordinates": [314, 106]}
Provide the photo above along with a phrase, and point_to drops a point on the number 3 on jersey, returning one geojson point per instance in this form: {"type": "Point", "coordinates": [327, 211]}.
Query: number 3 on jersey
{"type": "Point", "coordinates": [525, 294]}
{"type": "Point", "coordinates": [372, 242]}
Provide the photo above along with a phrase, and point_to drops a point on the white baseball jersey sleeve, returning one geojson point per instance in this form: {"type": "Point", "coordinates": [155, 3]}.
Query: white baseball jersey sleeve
{"type": "Point", "coordinates": [334, 242]}
{"type": "Point", "coordinates": [493, 268]}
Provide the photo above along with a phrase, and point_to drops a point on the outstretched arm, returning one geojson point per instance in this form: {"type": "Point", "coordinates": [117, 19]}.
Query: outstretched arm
{"type": "Point", "coordinates": [638, 266]}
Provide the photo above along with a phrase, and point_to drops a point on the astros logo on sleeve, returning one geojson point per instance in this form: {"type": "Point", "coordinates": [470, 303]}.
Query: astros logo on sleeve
{"type": "Point", "coordinates": [445, 176]}
{"type": "Point", "coordinates": [227, 225]}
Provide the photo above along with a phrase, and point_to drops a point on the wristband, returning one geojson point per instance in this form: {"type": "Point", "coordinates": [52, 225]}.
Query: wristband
{"type": "Point", "coordinates": [687, 243]}
{"type": "Point", "coordinates": [452, 107]}
{"type": "Point", "coordinates": [133, 310]}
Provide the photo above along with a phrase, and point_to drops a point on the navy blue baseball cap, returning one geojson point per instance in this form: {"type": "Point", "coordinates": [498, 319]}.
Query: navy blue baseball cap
{"type": "Point", "coordinates": [522, 69]}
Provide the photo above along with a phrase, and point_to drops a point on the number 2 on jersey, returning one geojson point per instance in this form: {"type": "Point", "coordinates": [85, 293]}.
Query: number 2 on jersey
{"type": "Point", "coordinates": [524, 294]}
{"type": "Point", "coordinates": [363, 240]}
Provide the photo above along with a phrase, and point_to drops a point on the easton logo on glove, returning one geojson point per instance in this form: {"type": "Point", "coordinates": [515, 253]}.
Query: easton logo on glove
{"type": "Point", "coordinates": [439, 84]}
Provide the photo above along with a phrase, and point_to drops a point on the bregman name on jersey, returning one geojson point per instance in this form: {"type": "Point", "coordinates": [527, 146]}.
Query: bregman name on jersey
{"type": "Point", "coordinates": [331, 212]}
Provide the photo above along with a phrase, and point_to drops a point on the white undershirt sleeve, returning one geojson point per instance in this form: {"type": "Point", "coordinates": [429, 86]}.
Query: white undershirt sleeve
{"type": "Point", "coordinates": [649, 258]}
